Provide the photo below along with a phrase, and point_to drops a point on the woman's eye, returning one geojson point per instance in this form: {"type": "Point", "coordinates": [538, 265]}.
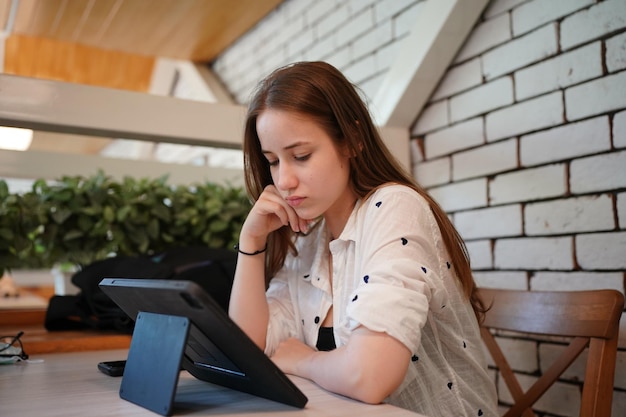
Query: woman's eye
{"type": "Point", "coordinates": [303, 157]}
{"type": "Point", "coordinates": [272, 163]}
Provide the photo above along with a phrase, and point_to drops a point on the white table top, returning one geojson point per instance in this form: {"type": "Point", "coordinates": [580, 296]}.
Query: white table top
{"type": "Point", "coordinates": [69, 384]}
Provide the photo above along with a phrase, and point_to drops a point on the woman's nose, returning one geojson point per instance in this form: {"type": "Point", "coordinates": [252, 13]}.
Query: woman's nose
{"type": "Point", "coordinates": [286, 177]}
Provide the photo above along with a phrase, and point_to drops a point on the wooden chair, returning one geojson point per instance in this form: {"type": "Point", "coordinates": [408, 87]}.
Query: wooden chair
{"type": "Point", "coordinates": [591, 318]}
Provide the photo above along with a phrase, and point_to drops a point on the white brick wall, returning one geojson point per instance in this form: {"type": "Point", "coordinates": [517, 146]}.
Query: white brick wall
{"type": "Point", "coordinates": [480, 254]}
{"type": "Point", "coordinates": [597, 173]}
{"type": "Point", "coordinates": [481, 99]}
{"type": "Point", "coordinates": [538, 12]}
{"type": "Point", "coordinates": [583, 214]}
{"type": "Point", "coordinates": [433, 117]}
{"type": "Point", "coordinates": [621, 210]}
{"type": "Point", "coordinates": [592, 23]}
{"type": "Point", "coordinates": [497, 7]}
{"type": "Point", "coordinates": [489, 159]}
{"type": "Point", "coordinates": [460, 78]}
{"type": "Point", "coordinates": [490, 222]}
{"type": "Point", "coordinates": [537, 113]}
{"type": "Point", "coordinates": [567, 141]}
{"type": "Point", "coordinates": [521, 354]}
{"type": "Point", "coordinates": [461, 195]}
{"type": "Point", "coordinates": [460, 136]}
{"type": "Point", "coordinates": [616, 53]}
{"type": "Point", "coordinates": [529, 184]}
{"type": "Point", "coordinates": [565, 281]}
{"type": "Point", "coordinates": [514, 280]}
{"type": "Point", "coordinates": [619, 130]}
{"type": "Point", "coordinates": [485, 36]}
{"type": "Point", "coordinates": [562, 71]}
{"type": "Point", "coordinates": [551, 253]}
{"type": "Point", "coordinates": [597, 96]}
{"type": "Point", "coordinates": [601, 251]}
{"type": "Point", "coordinates": [433, 172]}
{"type": "Point", "coordinates": [352, 35]}
{"type": "Point", "coordinates": [520, 52]}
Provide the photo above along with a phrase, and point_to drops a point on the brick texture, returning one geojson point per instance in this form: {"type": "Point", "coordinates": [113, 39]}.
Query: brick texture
{"type": "Point", "coordinates": [601, 251]}
{"type": "Point", "coordinates": [529, 184]}
{"type": "Point", "coordinates": [490, 159]}
{"type": "Point", "coordinates": [460, 136]}
{"type": "Point", "coordinates": [583, 214]}
{"type": "Point", "coordinates": [538, 12]}
{"type": "Point", "coordinates": [565, 142]}
{"type": "Point", "coordinates": [513, 280]}
{"type": "Point", "coordinates": [520, 52]}
{"type": "Point", "coordinates": [596, 97]}
{"type": "Point", "coordinates": [598, 173]}
{"type": "Point", "coordinates": [619, 130]}
{"type": "Point", "coordinates": [481, 99]}
{"type": "Point", "coordinates": [551, 253]}
{"type": "Point", "coordinates": [490, 222]}
{"type": "Point", "coordinates": [581, 64]}
{"type": "Point", "coordinates": [592, 23]}
{"type": "Point", "coordinates": [541, 112]}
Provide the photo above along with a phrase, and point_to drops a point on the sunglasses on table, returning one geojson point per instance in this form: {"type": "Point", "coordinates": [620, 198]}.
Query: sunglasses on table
{"type": "Point", "coordinates": [11, 348]}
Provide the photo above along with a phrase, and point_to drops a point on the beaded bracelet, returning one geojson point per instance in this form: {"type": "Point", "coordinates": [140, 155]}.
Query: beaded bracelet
{"type": "Point", "coordinates": [250, 253]}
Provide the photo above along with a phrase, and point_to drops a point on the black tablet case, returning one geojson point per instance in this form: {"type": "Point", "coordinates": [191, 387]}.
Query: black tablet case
{"type": "Point", "coordinates": [179, 323]}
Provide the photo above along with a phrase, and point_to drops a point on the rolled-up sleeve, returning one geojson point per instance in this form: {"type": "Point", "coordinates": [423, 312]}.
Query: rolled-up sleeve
{"type": "Point", "coordinates": [281, 313]}
{"type": "Point", "coordinates": [397, 266]}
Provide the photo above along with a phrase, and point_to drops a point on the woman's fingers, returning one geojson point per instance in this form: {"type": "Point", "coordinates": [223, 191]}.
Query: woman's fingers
{"type": "Point", "coordinates": [292, 219]}
{"type": "Point", "coordinates": [270, 212]}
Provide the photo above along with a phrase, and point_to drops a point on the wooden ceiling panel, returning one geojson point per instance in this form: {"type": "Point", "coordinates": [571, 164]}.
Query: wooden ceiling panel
{"type": "Point", "coordinates": [65, 61]}
{"type": "Point", "coordinates": [196, 30]}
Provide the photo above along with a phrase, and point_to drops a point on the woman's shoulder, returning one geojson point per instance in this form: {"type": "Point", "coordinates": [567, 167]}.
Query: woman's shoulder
{"type": "Point", "coordinates": [395, 193]}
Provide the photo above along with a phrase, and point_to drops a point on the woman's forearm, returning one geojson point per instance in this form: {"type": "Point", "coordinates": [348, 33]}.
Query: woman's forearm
{"type": "Point", "coordinates": [248, 305]}
{"type": "Point", "coordinates": [369, 368]}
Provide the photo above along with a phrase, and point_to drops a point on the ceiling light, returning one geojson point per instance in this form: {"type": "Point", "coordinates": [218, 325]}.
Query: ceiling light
{"type": "Point", "coordinates": [15, 138]}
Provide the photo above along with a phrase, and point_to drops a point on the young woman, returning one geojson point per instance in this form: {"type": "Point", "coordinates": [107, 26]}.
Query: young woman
{"type": "Point", "coordinates": [349, 274]}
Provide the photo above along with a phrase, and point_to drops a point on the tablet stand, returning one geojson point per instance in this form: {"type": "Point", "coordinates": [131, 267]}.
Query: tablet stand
{"type": "Point", "coordinates": [154, 361]}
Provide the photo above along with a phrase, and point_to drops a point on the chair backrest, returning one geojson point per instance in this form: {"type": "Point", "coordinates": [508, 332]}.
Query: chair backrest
{"type": "Point", "coordinates": [591, 318]}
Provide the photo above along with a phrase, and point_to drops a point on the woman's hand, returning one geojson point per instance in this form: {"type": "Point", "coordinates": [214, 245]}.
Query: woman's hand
{"type": "Point", "coordinates": [269, 213]}
{"type": "Point", "coordinates": [290, 354]}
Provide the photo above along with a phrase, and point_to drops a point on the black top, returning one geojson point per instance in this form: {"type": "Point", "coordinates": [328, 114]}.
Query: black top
{"type": "Point", "coordinates": [325, 339]}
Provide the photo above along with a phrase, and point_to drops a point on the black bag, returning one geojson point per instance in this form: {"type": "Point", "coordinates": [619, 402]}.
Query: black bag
{"type": "Point", "coordinates": [212, 269]}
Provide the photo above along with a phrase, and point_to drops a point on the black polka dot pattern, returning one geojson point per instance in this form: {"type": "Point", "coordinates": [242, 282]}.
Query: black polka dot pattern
{"type": "Point", "coordinates": [448, 265]}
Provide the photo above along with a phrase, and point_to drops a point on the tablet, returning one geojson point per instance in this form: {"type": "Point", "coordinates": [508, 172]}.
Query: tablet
{"type": "Point", "coordinates": [216, 349]}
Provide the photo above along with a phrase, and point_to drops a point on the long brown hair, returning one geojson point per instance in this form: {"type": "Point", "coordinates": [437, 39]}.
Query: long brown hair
{"type": "Point", "coordinates": [320, 91]}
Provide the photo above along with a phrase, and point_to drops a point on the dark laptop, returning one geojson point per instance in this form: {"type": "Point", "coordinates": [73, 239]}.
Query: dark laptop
{"type": "Point", "coordinates": [212, 347]}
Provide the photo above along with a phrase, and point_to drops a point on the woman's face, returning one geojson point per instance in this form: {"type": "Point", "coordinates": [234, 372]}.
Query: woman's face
{"type": "Point", "coordinates": [308, 170]}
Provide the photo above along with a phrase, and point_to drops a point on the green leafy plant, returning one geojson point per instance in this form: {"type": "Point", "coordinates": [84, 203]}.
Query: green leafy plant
{"type": "Point", "coordinates": [79, 220]}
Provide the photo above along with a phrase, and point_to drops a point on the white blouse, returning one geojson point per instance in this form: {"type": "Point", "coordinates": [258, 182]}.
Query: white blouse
{"type": "Point", "coordinates": [391, 274]}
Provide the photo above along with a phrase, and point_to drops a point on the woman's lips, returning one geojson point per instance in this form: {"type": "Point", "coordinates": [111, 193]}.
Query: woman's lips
{"type": "Point", "coordinates": [295, 201]}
